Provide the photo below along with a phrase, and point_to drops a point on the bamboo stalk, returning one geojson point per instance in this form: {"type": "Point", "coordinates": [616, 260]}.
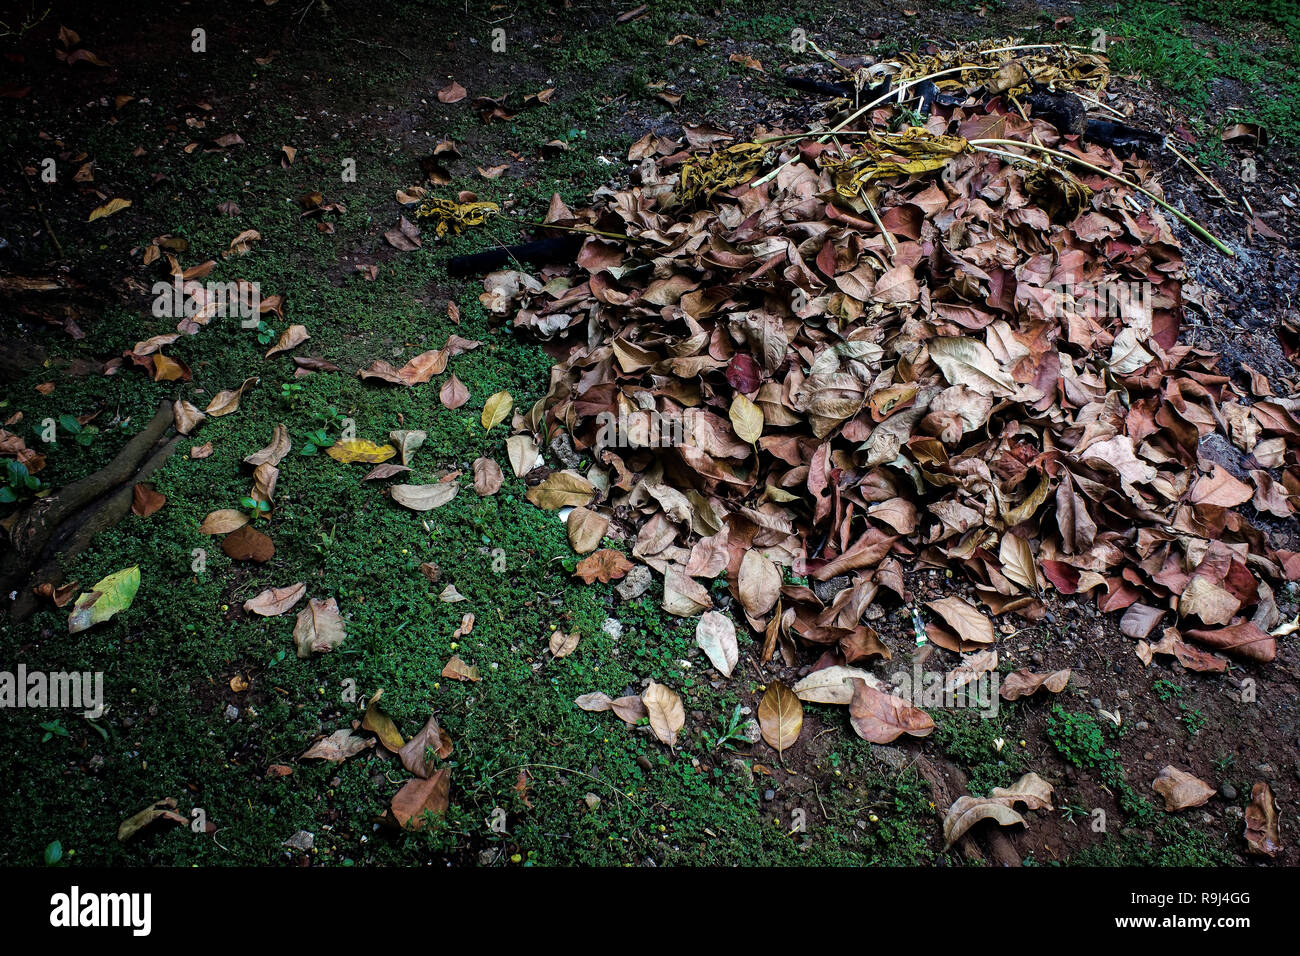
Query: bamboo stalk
{"type": "Point", "coordinates": [982, 146]}
{"type": "Point", "coordinates": [768, 177]}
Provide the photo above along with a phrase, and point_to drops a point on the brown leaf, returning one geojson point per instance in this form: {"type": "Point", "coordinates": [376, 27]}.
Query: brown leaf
{"type": "Point", "coordinates": [145, 501]}
{"type": "Point", "coordinates": [664, 708]}
{"type": "Point", "coordinates": [881, 717]}
{"type": "Point", "coordinates": [320, 627]}
{"type": "Point", "coordinates": [1025, 683]}
{"type": "Point", "coordinates": [416, 752]}
{"type": "Point", "coordinates": [585, 529]}
{"type": "Point", "coordinates": [457, 669]}
{"type": "Point", "coordinates": [780, 717]}
{"type": "Point", "coordinates": [967, 628]}
{"type": "Point", "coordinates": [381, 725]}
{"type": "Point", "coordinates": [452, 93]}
{"type": "Point", "coordinates": [453, 393]}
{"type": "Point", "coordinates": [424, 497]}
{"type": "Point", "coordinates": [223, 522]}
{"type": "Point", "coordinates": [149, 819]}
{"type": "Point", "coordinates": [1181, 790]}
{"type": "Point", "coordinates": [605, 566]}
{"type": "Point", "coordinates": [487, 476]}
{"type": "Point", "coordinates": [338, 746]}
{"type": "Point", "coordinates": [275, 601]}
{"type": "Point", "coordinates": [420, 797]}
{"type": "Point", "coordinates": [246, 543]}
{"type": "Point", "coordinates": [562, 645]}
{"type": "Point", "coordinates": [758, 583]}
{"type": "Point", "coordinates": [1261, 822]}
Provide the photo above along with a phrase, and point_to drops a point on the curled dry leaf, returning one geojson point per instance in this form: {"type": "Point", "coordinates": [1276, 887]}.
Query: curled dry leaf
{"type": "Point", "coordinates": [780, 716]}
{"type": "Point", "coordinates": [424, 497]}
{"type": "Point", "coordinates": [408, 441]}
{"type": "Point", "coordinates": [966, 811]}
{"type": "Point", "coordinates": [716, 635]}
{"type": "Point", "coordinates": [562, 645]}
{"type": "Point", "coordinates": [664, 708]}
{"type": "Point", "coordinates": [1181, 790]}
{"type": "Point", "coordinates": [275, 601]}
{"type": "Point", "coordinates": [457, 669]}
{"type": "Point", "coordinates": [320, 627]}
{"type": "Point", "coordinates": [487, 476]}
{"type": "Point", "coordinates": [1262, 837]}
{"type": "Point", "coordinates": [223, 522]}
{"type": "Point", "coordinates": [338, 746]}
{"type": "Point", "coordinates": [882, 718]}
{"type": "Point", "coordinates": [421, 797]}
{"type": "Point", "coordinates": [586, 529]}
{"type": "Point", "coordinates": [186, 416]}
{"type": "Point", "coordinates": [227, 401]}
{"type": "Point", "coordinates": [833, 685]}
{"type": "Point", "coordinates": [967, 629]}
{"type": "Point", "coordinates": [290, 338]}
{"type": "Point", "coordinates": [605, 566]}
{"type": "Point", "coordinates": [150, 818]}
{"type": "Point", "coordinates": [273, 453]}
{"type": "Point", "coordinates": [419, 752]}
{"type": "Point", "coordinates": [1025, 683]}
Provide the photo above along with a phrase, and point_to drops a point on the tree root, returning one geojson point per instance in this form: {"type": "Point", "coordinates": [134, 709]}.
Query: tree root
{"type": "Point", "coordinates": [51, 529]}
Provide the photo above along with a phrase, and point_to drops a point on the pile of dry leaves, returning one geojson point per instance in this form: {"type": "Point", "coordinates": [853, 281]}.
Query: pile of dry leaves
{"type": "Point", "coordinates": [904, 350]}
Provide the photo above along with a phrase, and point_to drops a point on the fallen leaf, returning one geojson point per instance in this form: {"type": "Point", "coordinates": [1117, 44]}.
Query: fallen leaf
{"type": "Point", "coordinates": [586, 529]}
{"type": "Point", "coordinates": [605, 566]}
{"type": "Point", "coordinates": [320, 627]}
{"type": "Point", "coordinates": [348, 450]}
{"type": "Point", "coordinates": [495, 409]}
{"type": "Point", "coordinates": [1181, 790]}
{"type": "Point", "coordinates": [424, 497]}
{"type": "Point", "coordinates": [275, 601]}
{"type": "Point", "coordinates": [666, 712]}
{"type": "Point", "coordinates": [338, 746]}
{"type": "Point", "coordinates": [487, 476]}
{"type": "Point", "coordinates": [421, 797]}
{"type": "Point", "coordinates": [145, 501]}
{"type": "Point", "coordinates": [716, 635]}
{"type": "Point", "coordinates": [780, 717]}
{"type": "Point", "coordinates": [882, 717]}
{"type": "Point", "coordinates": [109, 596]}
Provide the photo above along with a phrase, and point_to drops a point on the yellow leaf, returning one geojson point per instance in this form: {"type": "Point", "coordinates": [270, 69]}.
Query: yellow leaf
{"type": "Point", "coordinates": [110, 207]}
{"type": "Point", "coordinates": [358, 449]}
{"type": "Point", "coordinates": [496, 408]}
{"type": "Point", "coordinates": [746, 419]}
{"type": "Point", "coordinates": [562, 489]}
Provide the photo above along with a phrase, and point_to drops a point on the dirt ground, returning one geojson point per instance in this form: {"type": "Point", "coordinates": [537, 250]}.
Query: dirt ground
{"type": "Point", "coordinates": [1230, 730]}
